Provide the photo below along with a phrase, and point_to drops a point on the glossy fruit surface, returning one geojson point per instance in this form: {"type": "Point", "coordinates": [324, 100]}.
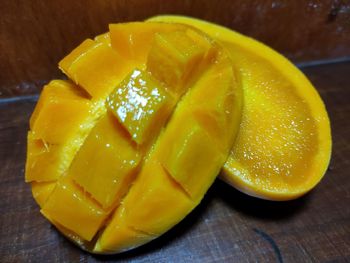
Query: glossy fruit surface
{"type": "Point", "coordinates": [127, 147]}
{"type": "Point", "coordinates": [284, 144]}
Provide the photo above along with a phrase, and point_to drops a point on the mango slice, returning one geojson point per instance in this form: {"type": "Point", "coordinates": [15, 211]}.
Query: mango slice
{"type": "Point", "coordinates": [155, 133]}
{"type": "Point", "coordinates": [284, 144]}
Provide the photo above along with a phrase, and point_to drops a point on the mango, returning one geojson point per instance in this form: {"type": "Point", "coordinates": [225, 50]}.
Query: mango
{"type": "Point", "coordinates": [59, 112]}
{"type": "Point", "coordinates": [68, 205]}
{"type": "Point", "coordinates": [96, 67]}
{"type": "Point", "coordinates": [284, 144]}
{"type": "Point", "coordinates": [141, 104]}
{"type": "Point", "coordinates": [163, 107]}
{"type": "Point", "coordinates": [105, 163]}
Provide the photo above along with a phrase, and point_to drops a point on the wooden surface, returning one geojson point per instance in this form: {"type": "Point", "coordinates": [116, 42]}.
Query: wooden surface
{"type": "Point", "coordinates": [36, 34]}
{"type": "Point", "coordinates": [227, 226]}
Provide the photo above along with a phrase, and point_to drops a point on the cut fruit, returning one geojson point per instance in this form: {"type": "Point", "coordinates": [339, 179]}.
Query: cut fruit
{"type": "Point", "coordinates": [147, 150]}
{"type": "Point", "coordinates": [173, 58]}
{"type": "Point", "coordinates": [43, 160]}
{"type": "Point", "coordinates": [284, 144]}
{"type": "Point", "coordinates": [72, 208]}
{"type": "Point", "coordinates": [133, 40]}
{"type": "Point", "coordinates": [105, 164]}
{"type": "Point", "coordinates": [141, 105]}
{"type": "Point", "coordinates": [96, 67]}
{"type": "Point", "coordinates": [60, 111]}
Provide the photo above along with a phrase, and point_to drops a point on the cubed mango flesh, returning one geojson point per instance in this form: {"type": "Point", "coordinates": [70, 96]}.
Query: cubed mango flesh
{"type": "Point", "coordinates": [96, 67]}
{"type": "Point", "coordinates": [105, 164]}
{"type": "Point", "coordinates": [141, 105]}
{"type": "Point", "coordinates": [43, 160]}
{"type": "Point", "coordinates": [72, 208]}
{"type": "Point", "coordinates": [154, 204]}
{"type": "Point", "coordinates": [59, 112]}
{"type": "Point", "coordinates": [173, 59]}
{"type": "Point", "coordinates": [133, 40]}
{"type": "Point", "coordinates": [183, 141]}
{"type": "Point", "coordinates": [143, 157]}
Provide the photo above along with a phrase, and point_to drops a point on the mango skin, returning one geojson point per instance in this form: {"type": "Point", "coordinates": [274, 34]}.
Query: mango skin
{"type": "Point", "coordinates": [284, 144]}
{"type": "Point", "coordinates": [149, 187]}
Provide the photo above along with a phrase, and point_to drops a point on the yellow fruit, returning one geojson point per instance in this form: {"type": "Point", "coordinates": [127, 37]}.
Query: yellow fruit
{"type": "Point", "coordinates": [128, 150]}
{"type": "Point", "coordinates": [284, 144]}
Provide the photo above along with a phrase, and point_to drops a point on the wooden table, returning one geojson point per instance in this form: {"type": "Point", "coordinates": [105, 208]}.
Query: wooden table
{"type": "Point", "coordinates": [227, 226]}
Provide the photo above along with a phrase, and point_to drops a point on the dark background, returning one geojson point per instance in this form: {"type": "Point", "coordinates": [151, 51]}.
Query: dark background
{"type": "Point", "coordinates": [228, 226]}
{"type": "Point", "coordinates": [36, 34]}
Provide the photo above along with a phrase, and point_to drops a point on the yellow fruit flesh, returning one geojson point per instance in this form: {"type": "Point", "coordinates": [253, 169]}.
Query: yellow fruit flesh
{"type": "Point", "coordinates": [57, 121]}
{"type": "Point", "coordinates": [106, 162]}
{"type": "Point", "coordinates": [133, 40]}
{"type": "Point", "coordinates": [284, 143]}
{"type": "Point", "coordinates": [60, 111]}
{"type": "Point", "coordinates": [96, 67]}
{"type": "Point", "coordinates": [141, 104]}
{"type": "Point", "coordinates": [119, 142]}
{"type": "Point", "coordinates": [172, 59]}
{"type": "Point", "coordinates": [70, 206]}
{"type": "Point", "coordinates": [41, 191]}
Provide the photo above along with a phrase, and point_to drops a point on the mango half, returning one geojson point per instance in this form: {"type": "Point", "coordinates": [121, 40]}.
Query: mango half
{"type": "Point", "coordinates": [283, 147]}
{"type": "Point", "coordinates": [128, 146]}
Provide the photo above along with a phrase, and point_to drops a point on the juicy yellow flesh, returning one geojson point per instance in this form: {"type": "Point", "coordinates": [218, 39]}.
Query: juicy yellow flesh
{"type": "Point", "coordinates": [284, 144]}
{"type": "Point", "coordinates": [43, 160]}
{"type": "Point", "coordinates": [278, 135]}
{"type": "Point", "coordinates": [185, 142]}
{"type": "Point", "coordinates": [141, 104]}
{"type": "Point", "coordinates": [72, 208]}
{"type": "Point", "coordinates": [133, 40]}
{"type": "Point", "coordinates": [140, 161]}
{"type": "Point", "coordinates": [96, 67]}
{"type": "Point", "coordinates": [172, 59]}
{"type": "Point", "coordinates": [105, 164]}
{"type": "Point", "coordinates": [165, 206]}
{"type": "Point", "coordinates": [60, 112]}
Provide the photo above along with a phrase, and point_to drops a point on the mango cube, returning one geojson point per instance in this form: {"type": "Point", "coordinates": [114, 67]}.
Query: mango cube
{"type": "Point", "coordinates": [71, 208]}
{"type": "Point", "coordinates": [60, 110]}
{"type": "Point", "coordinates": [208, 103]}
{"type": "Point", "coordinates": [133, 40]}
{"type": "Point", "coordinates": [141, 104]}
{"type": "Point", "coordinates": [43, 160]}
{"type": "Point", "coordinates": [173, 58]}
{"type": "Point", "coordinates": [104, 166]}
{"type": "Point", "coordinates": [189, 155]}
{"type": "Point", "coordinates": [126, 238]}
{"type": "Point", "coordinates": [96, 67]}
{"type": "Point", "coordinates": [153, 205]}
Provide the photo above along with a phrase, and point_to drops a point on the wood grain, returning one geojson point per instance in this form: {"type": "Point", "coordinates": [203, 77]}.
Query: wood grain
{"type": "Point", "coordinates": [228, 226]}
{"type": "Point", "coordinates": [36, 34]}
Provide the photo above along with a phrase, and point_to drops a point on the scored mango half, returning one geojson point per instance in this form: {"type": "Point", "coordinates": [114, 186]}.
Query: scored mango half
{"type": "Point", "coordinates": [128, 146]}
{"type": "Point", "coordinates": [283, 147]}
